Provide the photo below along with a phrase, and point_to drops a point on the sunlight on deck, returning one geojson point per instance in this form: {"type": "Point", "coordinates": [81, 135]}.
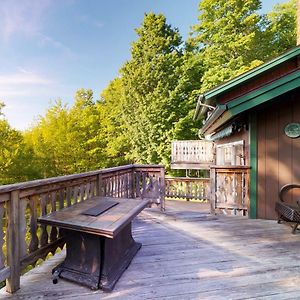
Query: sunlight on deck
{"type": "Point", "coordinates": [189, 254]}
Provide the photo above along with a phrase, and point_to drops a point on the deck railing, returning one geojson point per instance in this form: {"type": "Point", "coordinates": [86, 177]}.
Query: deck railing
{"type": "Point", "coordinates": [230, 189]}
{"type": "Point", "coordinates": [23, 241]}
{"type": "Point", "coordinates": [198, 154]}
{"type": "Point", "coordinates": [187, 188]}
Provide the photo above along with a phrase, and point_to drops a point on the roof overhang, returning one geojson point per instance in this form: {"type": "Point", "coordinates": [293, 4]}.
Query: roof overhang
{"type": "Point", "coordinates": [225, 113]}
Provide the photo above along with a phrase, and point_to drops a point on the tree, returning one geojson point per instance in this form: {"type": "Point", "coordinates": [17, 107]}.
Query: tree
{"type": "Point", "coordinates": [49, 140]}
{"type": "Point", "coordinates": [226, 35]}
{"type": "Point", "coordinates": [279, 32]}
{"type": "Point", "coordinates": [113, 126]}
{"type": "Point", "coordinates": [85, 133]}
{"type": "Point", "coordinates": [156, 92]}
{"type": "Point", "coordinates": [17, 162]}
{"type": "Point", "coordinates": [69, 140]}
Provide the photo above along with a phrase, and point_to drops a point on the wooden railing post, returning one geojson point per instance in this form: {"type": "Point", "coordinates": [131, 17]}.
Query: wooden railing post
{"type": "Point", "coordinates": [13, 243]}
{"type": "Point", "coordinates": [162, 189]}
{"type": "Point", "coordinates": [213, 183]}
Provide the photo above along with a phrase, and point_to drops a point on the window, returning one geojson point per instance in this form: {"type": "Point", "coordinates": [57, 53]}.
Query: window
{"type": "Point", "coordinates": [231, 154]}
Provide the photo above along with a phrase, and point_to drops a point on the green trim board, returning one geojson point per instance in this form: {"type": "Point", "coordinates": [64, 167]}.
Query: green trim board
{"type": "Point", "coordinates": [253, 165]}
{"type": "Point", "coordinates": [253, 73]}
{"type": "Point", "coordinates": [270, 91]}
{"type": "Point", "coordinates": [251, 100]}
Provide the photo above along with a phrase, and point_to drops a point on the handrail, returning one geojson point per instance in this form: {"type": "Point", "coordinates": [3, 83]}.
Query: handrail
{"type": "Point", "coordinates": [35, 183]}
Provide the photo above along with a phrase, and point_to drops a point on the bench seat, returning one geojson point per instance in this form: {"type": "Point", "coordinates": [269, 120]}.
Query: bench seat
{"type": "Point", "coordinates": [288, 212]}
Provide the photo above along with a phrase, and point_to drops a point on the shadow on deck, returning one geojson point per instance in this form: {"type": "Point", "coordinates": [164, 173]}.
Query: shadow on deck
{"type": "Point", "coordinates": [189, 254]}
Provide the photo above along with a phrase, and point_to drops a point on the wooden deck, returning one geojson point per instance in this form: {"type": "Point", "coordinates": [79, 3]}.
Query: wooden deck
{"type": "Point", "coordinates": [189, 254]}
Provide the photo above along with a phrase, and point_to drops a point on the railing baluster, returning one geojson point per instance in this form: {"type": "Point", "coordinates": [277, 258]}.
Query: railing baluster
{"type": "Point", "coordinates": [2, 258]}
{"type": "Point", "coordinates": [82, 189]}
{"type": "Point", "coordinates": [34, 240]}
{"type": "Point", "coordinates": [68, 196]}
{"type": "Point", "coordinates": [53, 232]}
{"type": "Point", "coordinates": [44, 233]}
{"type": "Point", "coordinates": [75, 194]}
{"type": "Point", "coordinates": [23, 244]}
{"type": "Point", "coordinates": [61, 198]}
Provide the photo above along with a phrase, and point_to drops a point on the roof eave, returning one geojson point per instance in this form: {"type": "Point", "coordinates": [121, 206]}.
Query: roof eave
{"type": "Point", "coordinates": [225, 113]}
{"type": "Point", "coordinates": [252, 73]}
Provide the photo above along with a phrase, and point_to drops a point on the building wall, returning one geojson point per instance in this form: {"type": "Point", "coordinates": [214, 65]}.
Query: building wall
{"type": "Point", "coordinates": [278, 156]}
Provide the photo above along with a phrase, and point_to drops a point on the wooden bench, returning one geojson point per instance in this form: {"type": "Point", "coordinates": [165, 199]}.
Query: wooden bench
{"type": "Point", "coordinates": [288, 212]}
{"type": "Point", "coordinates": [99, 242]}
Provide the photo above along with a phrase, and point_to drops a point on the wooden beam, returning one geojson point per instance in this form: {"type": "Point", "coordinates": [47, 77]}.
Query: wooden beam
{"type": "Point", "coordinates": [13, 243]}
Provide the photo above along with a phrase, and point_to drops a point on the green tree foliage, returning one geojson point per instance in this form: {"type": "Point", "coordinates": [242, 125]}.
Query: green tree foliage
{"type": "Point", "coordinates": [279, 32]}
{"type": "Point", "coordinates": [17, 162]}
{"type": "Point", "coordinates": [67, 140]}
{"type": "Point", "coordinates": [110, 107]}
{"type": "Point", "coordinates": [85, 133]}
{"type": "Point", "coordinates": [232, 38]}
{"type": "Point", "coordinates": [225, 37]}
{"type": "Point", "coordinates": [157, 87]}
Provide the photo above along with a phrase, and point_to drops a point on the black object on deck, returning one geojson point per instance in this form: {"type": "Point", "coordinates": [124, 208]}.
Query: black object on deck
{"type": "Point", "coordinates": [100, 208]}
{"type": "Point", "coordinates": [288, 212]}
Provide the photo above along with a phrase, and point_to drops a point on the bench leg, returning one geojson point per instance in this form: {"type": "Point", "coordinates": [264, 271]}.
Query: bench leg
{"type": "Point", "coordinates": [295, 228]}
{"type": "Point", "coordinates": [118, 253]}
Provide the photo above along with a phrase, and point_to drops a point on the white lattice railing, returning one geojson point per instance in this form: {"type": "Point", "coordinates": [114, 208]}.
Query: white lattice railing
{"type": "Point", "coordinates": [193, 152]}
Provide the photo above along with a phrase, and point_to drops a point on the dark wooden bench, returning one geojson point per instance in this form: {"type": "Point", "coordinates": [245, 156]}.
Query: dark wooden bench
{"type": "Point", "coordinates": [288, 212]}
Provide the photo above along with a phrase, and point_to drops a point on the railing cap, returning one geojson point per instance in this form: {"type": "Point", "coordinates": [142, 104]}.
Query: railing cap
{"type": "Point", "coordinates": [51, 180]}
{"type": "Point", "coordinates": [230, 167]}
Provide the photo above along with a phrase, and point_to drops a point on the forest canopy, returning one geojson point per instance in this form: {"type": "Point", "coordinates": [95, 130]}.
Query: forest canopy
{"type": "Point", "coordinates": [152, 100]}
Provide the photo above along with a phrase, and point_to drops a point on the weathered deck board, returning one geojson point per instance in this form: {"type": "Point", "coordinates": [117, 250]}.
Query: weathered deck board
{"type": "Point", "coordinates": [187, 254]}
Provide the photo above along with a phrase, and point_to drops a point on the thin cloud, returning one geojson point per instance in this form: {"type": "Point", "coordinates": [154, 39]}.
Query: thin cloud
{"type": "Point", "coordinates": [45, 40]}
{"type": "Point", "coordinates": [22, 83]}
{"type": "Point", "coordinates": [21, 16]}
{"type": "Point", "coordinates": [90, 21]}
{"type": "Point", "coordinates": [21, 78]}
{"type": "Point", "coordinates": [26, 17]}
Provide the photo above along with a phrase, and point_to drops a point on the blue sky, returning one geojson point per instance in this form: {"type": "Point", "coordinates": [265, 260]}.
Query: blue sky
{"type": "Point", "coordinates": [52, 48]}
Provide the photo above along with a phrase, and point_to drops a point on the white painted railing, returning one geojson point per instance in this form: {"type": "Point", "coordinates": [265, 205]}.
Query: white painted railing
{"type": "Point", "coordinates": [196, 153]}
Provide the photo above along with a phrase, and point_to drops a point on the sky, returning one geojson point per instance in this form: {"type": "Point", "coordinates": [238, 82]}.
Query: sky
{"type": "Point", "coordinates": [52, 48]}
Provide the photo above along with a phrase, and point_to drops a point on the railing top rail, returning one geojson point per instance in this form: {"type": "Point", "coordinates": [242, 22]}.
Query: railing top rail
{"type": "Point", "coordinates": [192, 141]}
{"type": "Point", "coordinates": [52, 180]}
{"type": "Point", "coordinates": [147, 166]}
{"type": "Point", "coordinates": [186, 178]}
{"type": "Point", "coordinates": [231, 167]}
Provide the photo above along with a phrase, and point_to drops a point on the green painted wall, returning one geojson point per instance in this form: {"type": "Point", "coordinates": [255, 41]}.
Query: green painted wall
{"type": "Point", "coordinates": [253, 165]}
